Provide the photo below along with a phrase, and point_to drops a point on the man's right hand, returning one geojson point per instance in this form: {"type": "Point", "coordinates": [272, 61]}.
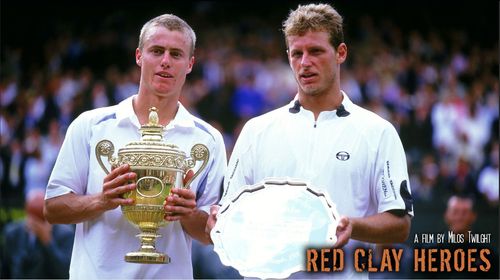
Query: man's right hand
{"type": "Point", "coordinates": [344, 232]}
{"type": "Point", "coordinates": [74, 208]}
{"type": "Point", "coordinates": [117, 183]}
{"type": "Point", "coordinates": [212, 219]}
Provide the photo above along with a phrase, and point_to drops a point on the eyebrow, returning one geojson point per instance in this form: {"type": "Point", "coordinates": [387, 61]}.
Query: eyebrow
{"type": "Point", "coordinates": [166, 48]}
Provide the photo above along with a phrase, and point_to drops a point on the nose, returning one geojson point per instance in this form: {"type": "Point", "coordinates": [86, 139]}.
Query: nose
{"type": "Point", "coordinates": [305, 61]}
{"type": "Point", "coordinates": [165, 60]}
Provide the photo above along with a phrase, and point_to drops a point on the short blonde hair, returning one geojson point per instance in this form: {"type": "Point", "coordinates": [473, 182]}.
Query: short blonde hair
{"type": "Point", "coordinates": [315, 17]}
{"type": "Point", "coordinates": [170, 22]}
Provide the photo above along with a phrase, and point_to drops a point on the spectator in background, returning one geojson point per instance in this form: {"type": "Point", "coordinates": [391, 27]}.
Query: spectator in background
{"type": "Point", "coordinates": [460, 217]}
{"type": "Point", "coordinates": [51, 143]}
{"type": "Point", "coordinates": [488, 182]}
{"type": "Point", "coordinates": [13, 180]}
{"type": "Point", "coordinates": [33, 248]}
{"type": "Point", "coordinates": [36, 172]}
{"type": "Point", "coordinates": [247, 101]}
{"type": "Point", "coordinates": [460, 214]}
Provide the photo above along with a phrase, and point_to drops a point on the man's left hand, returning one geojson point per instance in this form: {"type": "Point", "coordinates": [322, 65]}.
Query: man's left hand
{"type": "Point", "coordinates": [180, 202]}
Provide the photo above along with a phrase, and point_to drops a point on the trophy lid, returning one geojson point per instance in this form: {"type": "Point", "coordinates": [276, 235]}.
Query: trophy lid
{"type": "Point", "coordinates": [152, 131]}
{"type": "Point", "coordinates": [151, 138]}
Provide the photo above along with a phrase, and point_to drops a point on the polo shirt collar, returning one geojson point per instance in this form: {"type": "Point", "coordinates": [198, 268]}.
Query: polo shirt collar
{"type": "Point", "coordinates": [182, 118]}
{"type": "Point", "coordinates": [348, 105]}
{"type": "Point", "coordinates": [295, 108]}
{"type": "Point", "coordinates": [125, 112]}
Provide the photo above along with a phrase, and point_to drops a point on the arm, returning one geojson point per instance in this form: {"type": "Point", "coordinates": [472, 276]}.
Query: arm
{"type": "Point", "coordinates": [72, 208]}
{"type": "Point", "coordinates": [392, 223]}
{"type": "Point", "coordinates": [380, 228]}
{"type": "Point", "coordinates": [194, 225]}
{"type": "Point", "coordinates": [212, 220]}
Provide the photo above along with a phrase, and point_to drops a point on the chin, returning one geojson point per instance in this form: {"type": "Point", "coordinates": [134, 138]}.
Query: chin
{"type": "Point", "coordinates": [311, 91]}
{"type": "Point", "coordinates": [163, 91]}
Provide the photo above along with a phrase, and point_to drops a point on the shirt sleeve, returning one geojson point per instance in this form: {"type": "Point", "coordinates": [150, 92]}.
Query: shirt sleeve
{"type": "Point", "coordinates": [211, 184]}
{"type": "Point", "coordinates": [70, 173]}
{"type": "Point", "coordinates": [392, 185]}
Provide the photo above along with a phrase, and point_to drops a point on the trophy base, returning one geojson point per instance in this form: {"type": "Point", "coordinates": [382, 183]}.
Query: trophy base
{"type": "Point", "coordinates": [147, 257]}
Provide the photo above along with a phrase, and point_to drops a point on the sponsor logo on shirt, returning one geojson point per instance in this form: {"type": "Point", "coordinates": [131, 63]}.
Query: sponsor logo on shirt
{"type": "Point", "coordinates": [384, 186]}
{"type": "Point", "coordinates": [390, 179]}
{"type": "Point", "coordinates": [343, 156]}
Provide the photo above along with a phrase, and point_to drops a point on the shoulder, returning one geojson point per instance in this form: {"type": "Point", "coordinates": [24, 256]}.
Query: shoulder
{"type": "Point", "coordinates": [96, 116]}
{"type": "Point", "coordinates": [370, 122]}
{"type": "Point", "coordinates": [82, 127]}
{"type": "Point", "coordinates": [208, 129]}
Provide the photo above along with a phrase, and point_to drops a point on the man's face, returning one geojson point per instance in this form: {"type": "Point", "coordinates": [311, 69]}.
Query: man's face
{"type": "Point", "coordinates": [314, 62]}
{"type": "Point", "coordinates": [460, 215]}
{"type": "Point", "coordinates": [165, 61]}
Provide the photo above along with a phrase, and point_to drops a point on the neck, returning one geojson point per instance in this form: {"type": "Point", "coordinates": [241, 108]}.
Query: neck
{"type": "Point", "coordinates": [321, 102]}
{"type": "Point", "coordinates": [167, 108]}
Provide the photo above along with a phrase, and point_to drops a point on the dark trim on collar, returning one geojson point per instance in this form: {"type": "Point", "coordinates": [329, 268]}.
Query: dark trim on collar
{"type": "Point", "coordinates": [295, 108]}
{"type": "Point", "coordinates": [341, 111]}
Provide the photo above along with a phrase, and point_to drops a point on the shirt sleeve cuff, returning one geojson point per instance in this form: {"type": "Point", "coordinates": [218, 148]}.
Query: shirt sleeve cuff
{"type": "Point", "coordinates": [56, 190]}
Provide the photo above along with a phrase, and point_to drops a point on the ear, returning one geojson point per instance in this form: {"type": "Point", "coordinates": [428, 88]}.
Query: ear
{"type": "Point", "coordinates": [190, 65]}
{"type": "Point", "coordinates": [341, 53]}
{"type": "Point", "coordinates": [138, 57]}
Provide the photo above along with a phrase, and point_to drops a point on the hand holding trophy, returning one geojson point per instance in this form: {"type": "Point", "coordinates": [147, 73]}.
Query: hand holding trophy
{"type": "Point", "coordinates": [159, 167]}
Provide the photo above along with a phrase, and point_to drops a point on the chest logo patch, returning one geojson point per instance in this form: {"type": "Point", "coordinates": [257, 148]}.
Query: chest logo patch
{"type": "Point", "coordinates": [343, 156]}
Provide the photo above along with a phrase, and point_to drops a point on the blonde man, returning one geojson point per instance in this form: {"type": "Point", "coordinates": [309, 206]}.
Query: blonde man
{"type": "Point", "coordinates": [79, 192]}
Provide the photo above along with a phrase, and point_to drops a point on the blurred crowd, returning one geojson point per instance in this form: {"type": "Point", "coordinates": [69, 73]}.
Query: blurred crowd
{"type": "Point", "coordinates": [438, 87]}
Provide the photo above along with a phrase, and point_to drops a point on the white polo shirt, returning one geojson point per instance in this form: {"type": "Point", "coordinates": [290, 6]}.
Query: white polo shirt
{"type": "Point", "coordinates": [357, 159]}
{"type": "Point", "coordinates": [101, 243]}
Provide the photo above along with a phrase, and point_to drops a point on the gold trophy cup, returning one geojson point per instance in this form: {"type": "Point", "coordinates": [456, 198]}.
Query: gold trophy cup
{"type": "Point", "coordinates": [159, 167]}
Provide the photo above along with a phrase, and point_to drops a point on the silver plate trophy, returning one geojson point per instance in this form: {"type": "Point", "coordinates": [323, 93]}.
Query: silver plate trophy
{"type": "Point", "coordinates": [264, 230]}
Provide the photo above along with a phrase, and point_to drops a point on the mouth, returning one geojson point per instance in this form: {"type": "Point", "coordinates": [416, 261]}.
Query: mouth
{"type": "Point", "coordinates": [307, 77]}
{"type": "Point", "coordinates": [165, 75]}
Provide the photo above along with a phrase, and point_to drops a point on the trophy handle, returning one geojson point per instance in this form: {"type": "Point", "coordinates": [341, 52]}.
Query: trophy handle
{"type": "Point", "coordinates": [199, 152]}
{"type": "Point", "coordinates": [105, 148]}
